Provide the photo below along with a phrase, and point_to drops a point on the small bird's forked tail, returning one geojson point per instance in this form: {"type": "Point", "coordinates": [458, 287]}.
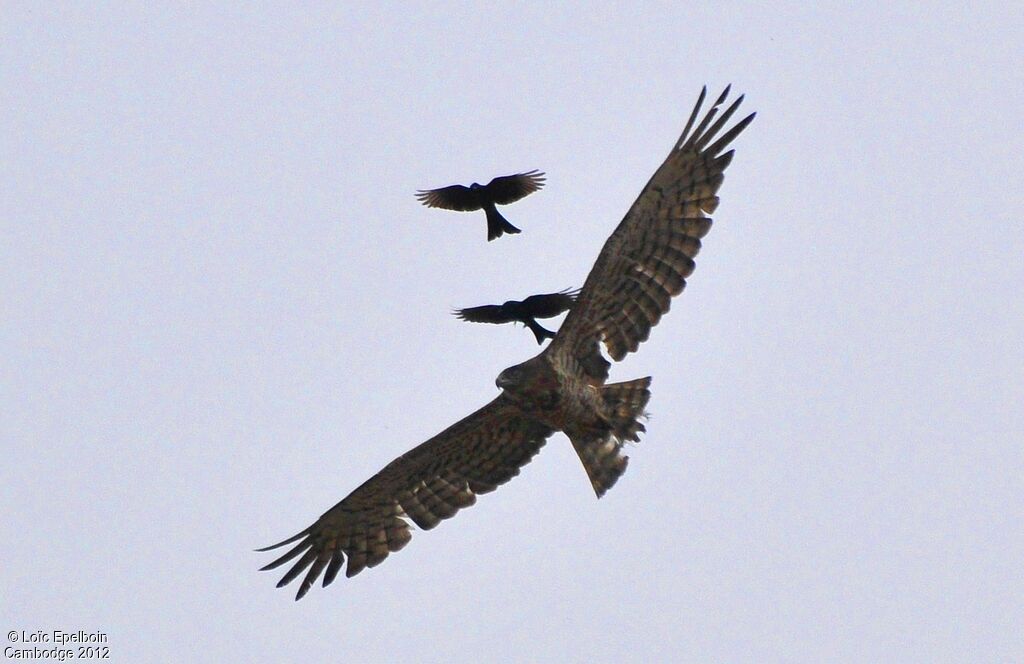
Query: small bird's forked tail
{"type": "Point", "coordinates": [539, 331]}
{"type": "Point", "coordinates": [601, 451]}
{"type": "Point", "coordinates": [497, 225]}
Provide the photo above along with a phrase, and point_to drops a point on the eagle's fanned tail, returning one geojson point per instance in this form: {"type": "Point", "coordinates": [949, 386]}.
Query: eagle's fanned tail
{"type": "Point", "coordinates": [600, 450]}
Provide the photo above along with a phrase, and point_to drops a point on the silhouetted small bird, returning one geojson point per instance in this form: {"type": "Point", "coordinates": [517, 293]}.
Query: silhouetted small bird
{"type": "Point", "coordinates": [525, 312]}
{"type": "Point", "coordinates": [499, 191]}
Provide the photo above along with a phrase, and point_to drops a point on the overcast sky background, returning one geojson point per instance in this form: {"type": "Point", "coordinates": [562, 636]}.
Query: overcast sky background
{"type": "Point", "coordinates": [224, 309]}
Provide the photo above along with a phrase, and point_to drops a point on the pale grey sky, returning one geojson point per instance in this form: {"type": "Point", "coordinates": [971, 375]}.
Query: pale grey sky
{"type": "Point", "coordinates": [223, 309]}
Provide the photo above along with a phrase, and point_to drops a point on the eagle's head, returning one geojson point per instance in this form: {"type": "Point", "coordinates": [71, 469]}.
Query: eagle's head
{"type": "Point", "coordinates": [528, 378]}
{"type": "Point", "coordinates": [511, 378]}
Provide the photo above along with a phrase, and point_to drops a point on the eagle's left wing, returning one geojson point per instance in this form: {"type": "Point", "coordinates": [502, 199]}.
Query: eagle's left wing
{"type": "Point", "coordinates": [427, 484]}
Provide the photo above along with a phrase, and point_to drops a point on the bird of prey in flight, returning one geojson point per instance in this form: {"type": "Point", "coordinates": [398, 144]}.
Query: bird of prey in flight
{"type": "Point", "coordinates": [499, 191]}
{"type": "Point", "coordinates": [526, 312]}
{"type": "Point", "coordinates": [644, 263]}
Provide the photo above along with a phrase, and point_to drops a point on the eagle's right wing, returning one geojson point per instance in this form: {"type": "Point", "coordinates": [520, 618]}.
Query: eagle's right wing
{"type": "Point", "coordinates": [649, 256]}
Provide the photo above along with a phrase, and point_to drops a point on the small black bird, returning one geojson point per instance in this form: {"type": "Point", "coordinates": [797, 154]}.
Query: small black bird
{"type": "Point", "coordinates": [499, 191]}
{"type": "Point", "coordinates": [525, 312]}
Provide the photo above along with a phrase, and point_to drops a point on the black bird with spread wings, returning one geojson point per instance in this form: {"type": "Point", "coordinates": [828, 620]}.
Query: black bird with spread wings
{"type": "Point", "coordinates": [644, 263]}
{"type": "Point", "coordinates": [499, 191]}
{"type": "Point", "coordinates": [526, 312]}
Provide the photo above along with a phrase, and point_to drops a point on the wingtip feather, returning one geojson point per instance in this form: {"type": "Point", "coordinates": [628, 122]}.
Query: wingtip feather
{"type": "Point", "coordinates": [725, 93]}
{"type": "Point", "coordinates": [693, 117]}
{"type": "Point", "coordinates": [297, 536]}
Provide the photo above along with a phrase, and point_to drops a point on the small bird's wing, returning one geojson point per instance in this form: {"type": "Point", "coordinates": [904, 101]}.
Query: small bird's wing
{"type": "Point", "coordinates": [455, 197]}
{"type": "Point", "coordinates": [427, 484]}
{"type": "Point", "coordinates": [510, 188]}
{"type": "Point", "coordinates": [549, 305]}
{"type": "Point", "coordinates": [488, 313]}
{"type": "Point", "coordinates": [650, 254]}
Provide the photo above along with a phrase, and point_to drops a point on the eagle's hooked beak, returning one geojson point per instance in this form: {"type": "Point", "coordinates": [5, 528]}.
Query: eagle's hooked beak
{"type": "Point", "coordinates": [503, 381]}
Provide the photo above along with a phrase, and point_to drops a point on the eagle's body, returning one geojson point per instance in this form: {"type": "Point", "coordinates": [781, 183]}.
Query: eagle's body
{"type": "Point", "coordinates": [644, 263]}
{"type": "Point", "coordinates": [557, 399]}
{"type": "Point", "coordinates": [597, 418]}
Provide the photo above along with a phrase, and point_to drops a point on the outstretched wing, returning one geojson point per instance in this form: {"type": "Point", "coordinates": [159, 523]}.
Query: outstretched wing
{"type": "Point", "coordinates": [510, 188]}
{"type": "Point", "coordinates": [456, 197]}
{"type": "Point", "coordinates": [549, 305]}
{"type": "Point", "coordinates": [427, 484]}
{"type": "Point", "coordinates": [648, 257]}
{"type": "Point", "coordinates": [488, 313]}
